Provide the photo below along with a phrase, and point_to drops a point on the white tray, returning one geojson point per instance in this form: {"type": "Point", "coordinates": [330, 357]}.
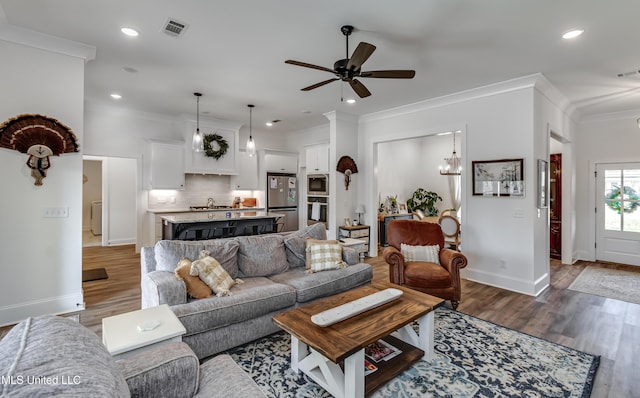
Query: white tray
{"type": "Point", "coordinates": [355, 307]}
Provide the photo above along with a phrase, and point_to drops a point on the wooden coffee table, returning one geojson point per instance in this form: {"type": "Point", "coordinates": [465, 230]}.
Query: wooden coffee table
{"type": "Point", "coordinates": [333, 356]}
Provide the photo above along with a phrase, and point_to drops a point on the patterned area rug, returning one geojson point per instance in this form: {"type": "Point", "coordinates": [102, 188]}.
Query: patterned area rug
{"type": "Point", "coordinates": [607, 282]}
{"type": "Point", "coordinates": [474, 358]}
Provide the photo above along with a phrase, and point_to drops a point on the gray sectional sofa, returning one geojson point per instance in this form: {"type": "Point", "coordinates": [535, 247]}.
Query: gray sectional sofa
{"type": "Point", "coordinates": [275, 280]}
{"type": "Point", "coordinates": [51, 356]}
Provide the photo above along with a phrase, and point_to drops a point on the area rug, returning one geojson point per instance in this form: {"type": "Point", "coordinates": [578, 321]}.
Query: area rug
{"type": "Point", "coordinates": [94, 274]}
{"type": "Point", "coordinates": [607, 282]}
{"type": "Point", "coordinates": [474, 358]}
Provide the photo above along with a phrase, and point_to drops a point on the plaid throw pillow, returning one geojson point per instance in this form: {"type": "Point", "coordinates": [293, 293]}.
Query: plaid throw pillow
{"type": "Point", "coordinates": [420, 253]}
{"type": "Point", "coordinates": [211, 272]}
{"type": "Point", "coordinates": [324, 256]}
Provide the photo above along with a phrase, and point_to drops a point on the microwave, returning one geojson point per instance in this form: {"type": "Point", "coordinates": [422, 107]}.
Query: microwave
{"type": "Point", "coordinates": [317, 184]}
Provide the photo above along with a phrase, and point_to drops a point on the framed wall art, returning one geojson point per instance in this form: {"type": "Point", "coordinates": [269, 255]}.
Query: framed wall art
{"type": "Point", "coordinates": [504, 177]}
{"type": "Point", "coordinates": [543, 186]}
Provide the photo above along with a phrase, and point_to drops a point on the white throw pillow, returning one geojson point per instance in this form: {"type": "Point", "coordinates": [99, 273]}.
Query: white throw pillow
{"type": "Point", "coordinates": [211, 272]}
{"type": "Point", "coordinates": [420, 253]}
{"type": "Point", "coordinates": [324, 256]}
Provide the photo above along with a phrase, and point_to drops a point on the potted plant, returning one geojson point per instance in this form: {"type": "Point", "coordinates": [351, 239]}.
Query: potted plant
{"type": "Point", "coordinates": [393, 203]}
{"type": "Point", "coordinates": [424, 200]}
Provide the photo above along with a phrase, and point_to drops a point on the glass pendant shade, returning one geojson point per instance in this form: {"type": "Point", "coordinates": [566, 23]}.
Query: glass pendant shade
{"type": "Point", "coordinates": [198, 141]}
{"type": "Point", "coordinates": [251, 144]}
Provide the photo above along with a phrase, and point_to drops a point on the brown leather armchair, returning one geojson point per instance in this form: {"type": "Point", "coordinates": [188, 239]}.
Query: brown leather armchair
{"type": "Point", "coordinates": [441, 280]}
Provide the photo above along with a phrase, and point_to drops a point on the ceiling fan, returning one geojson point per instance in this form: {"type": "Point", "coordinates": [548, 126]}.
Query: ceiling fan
{"type": "Point", "coordinates": [349, 68]}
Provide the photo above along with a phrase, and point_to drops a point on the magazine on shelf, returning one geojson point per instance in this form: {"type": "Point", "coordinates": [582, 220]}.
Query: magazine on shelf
{"type": "Point", "coordinates": [369, 367]}
{"type": "Point", "coordinates": [381, 351]}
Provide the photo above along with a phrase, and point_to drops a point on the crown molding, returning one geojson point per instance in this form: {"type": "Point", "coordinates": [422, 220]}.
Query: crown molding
{"type": "Point", "coordinates": [31, 38]}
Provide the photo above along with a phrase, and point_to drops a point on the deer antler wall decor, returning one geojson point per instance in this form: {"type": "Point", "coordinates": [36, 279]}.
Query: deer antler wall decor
{"type": "Point", "coordinates": [40, 137]}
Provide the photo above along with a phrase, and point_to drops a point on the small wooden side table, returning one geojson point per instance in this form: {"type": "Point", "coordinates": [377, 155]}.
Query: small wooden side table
{"type": "Point", "coordinates": [135, 331]}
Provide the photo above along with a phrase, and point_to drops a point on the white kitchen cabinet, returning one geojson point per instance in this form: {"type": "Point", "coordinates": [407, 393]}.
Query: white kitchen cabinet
{"type": "Point", "coordinates": [318, 158]}
{"type": "Point", "coordinates": [247, 177]}
{"type": "Point", "coordinates": [200, 163]}
{"type": "Point", "coordinates": [281, 162]}
{"type": "Point", "coordinates": [167, 166]}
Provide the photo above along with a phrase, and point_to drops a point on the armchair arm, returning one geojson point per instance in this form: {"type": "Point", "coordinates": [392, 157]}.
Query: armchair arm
{"type": "Point", "coordinates": [162, 287]}
{"type": "Point", "coordinates": [452, 260]}
{"type": "Point", "coordinates": [169, 370]}
{"type": "Point", "coordinates": [395, 259]}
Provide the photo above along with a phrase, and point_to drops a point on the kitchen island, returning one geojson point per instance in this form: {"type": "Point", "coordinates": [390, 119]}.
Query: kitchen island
{"type": "Point", "coordinates": [218, 224]}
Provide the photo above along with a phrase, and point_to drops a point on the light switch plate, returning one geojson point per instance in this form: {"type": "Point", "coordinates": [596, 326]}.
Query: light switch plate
{"type": "Point", "coordinates": [55, 212]}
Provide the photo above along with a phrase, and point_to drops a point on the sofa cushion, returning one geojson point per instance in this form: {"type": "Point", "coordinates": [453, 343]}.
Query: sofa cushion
{"type": "Point", "coordinates": [169, 252]}
{"type": "Point", "coordinates": [261, 255]}
{"type": "Point", "coordinates": [209, 270]}
{"type": "Point", "coordinates": [62, 351]}
{"type": "Point", "coordinates": [251, 299]}
{"type": "Point", "coordinates": [196, 288]}
{"type": "Point", "coordinates": [295, 243]}
{"type": "Point", "coordinates": [321, 284]}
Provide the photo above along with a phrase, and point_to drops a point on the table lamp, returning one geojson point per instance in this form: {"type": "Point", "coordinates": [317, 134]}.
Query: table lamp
{"type": "Point", "coordinates": [359, 212]}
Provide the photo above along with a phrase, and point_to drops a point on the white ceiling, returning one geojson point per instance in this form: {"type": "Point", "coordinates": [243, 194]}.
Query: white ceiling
{"type": "Point", "coordinates": [234, 51]}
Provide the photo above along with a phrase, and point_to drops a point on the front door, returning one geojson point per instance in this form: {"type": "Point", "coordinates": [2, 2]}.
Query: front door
{"type": "Point", "coordinates": [618, 212]}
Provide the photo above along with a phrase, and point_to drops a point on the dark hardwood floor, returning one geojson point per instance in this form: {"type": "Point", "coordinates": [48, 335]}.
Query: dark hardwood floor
{"type": "Point", "coordinates": [600, 326]}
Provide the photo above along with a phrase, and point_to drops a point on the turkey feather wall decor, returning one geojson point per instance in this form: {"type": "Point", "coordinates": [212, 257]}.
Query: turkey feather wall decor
{"type": "Point", "coordinates": [39, 137]}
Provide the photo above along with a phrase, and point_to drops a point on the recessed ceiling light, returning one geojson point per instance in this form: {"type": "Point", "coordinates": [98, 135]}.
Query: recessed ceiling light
{"type": "Point", "coordinates": [269, 124]}
{"type": "Point", "coordinates": [572, 34]}
{"type": "Point", "coordinates": [129, 32]}
{"type": "Point", "coordinates": [116, 96]}
{"type": "Point", "coordinates": [351, 101]}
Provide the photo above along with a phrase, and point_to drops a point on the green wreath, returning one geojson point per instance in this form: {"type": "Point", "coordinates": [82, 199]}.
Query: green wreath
{"type": "Point", "coordinates": [631, 199]}
{"type": "Point", "coordinates": [220, 142]}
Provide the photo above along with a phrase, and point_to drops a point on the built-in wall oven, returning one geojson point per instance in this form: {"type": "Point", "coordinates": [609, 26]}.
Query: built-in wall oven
{"type": "Point", "coordinates": [317, 210]}
{"type": "Point", "coordinates": [317, 184]}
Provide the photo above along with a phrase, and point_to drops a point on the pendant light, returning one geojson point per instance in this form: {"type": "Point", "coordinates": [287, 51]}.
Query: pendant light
{"type": "Point", "coordinates": [251, 145]}
{"type": "Point", "coordinates": [454, 164]}
{"type": "Point", "coordinates": [198, 142]}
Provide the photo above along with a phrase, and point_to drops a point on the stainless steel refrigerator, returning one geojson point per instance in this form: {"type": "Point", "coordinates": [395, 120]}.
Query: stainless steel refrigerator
{"type": "Point", "coordinates": [282, 197]}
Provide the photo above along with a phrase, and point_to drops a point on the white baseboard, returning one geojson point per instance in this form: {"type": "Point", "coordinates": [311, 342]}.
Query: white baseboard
{"type": "Point", "coordinates": [530, 288]}
{"type": "Point", "coordinates": [12, 314]}
{"type": "Point", "coordinates": [119, 242]}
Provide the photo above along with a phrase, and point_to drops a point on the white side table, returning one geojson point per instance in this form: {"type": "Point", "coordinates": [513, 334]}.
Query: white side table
{"type": "Point", "coordinates": [357, 244]}
{"type": "Point", "coordinates": [135, 331]}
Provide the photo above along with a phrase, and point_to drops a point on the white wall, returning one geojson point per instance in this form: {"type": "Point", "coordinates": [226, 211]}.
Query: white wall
{"type": "Point", "coordinates": [497, 122]}
{"type": "Point", "coordinates": [611, 138]}
{"type": "Point", "coordinates": [41, 257]}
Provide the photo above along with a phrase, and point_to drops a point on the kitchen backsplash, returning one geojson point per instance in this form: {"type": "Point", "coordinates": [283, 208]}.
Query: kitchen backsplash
{"type": "Point", "coordinates": [198, 188]}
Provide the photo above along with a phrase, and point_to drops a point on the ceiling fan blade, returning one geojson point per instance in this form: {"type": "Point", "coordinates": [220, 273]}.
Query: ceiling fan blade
{"type": "Point", "coordinates": [360, 55]}
{"type": "Point", "coordinates": [319, 84]}
{"type": "Point", "coordinates": [390, 74]}
{"type": "Point", "coordinates": [306, 65]}
{"type": "Point", "coordinates": [359, 88]}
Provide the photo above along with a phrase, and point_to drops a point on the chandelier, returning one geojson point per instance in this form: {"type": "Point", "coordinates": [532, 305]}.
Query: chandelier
{"type": "Point", "coordinates": [453, 165]}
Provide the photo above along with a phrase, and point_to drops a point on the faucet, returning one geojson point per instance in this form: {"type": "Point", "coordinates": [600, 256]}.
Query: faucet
{"type": "Point", "coordinates": [210, 203]}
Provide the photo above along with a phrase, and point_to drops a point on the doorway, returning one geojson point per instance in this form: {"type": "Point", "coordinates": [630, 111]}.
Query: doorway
{"type": "Point", "coordinates": [618, 212]}
{"type": "Point", "coordinates": [91, 202]}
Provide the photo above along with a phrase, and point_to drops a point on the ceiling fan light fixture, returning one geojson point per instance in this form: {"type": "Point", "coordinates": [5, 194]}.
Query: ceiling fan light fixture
{"type": "Point", "coordinates": [251, 144]}
{"type": "Point", "coordinates": [572, 34]}
{"type": "Point", "coordinates": [197, 141]}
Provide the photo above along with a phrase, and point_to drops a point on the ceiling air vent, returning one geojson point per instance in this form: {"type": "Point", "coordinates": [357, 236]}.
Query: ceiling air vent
{"type": "Point", "coordinates": [174, 28]}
